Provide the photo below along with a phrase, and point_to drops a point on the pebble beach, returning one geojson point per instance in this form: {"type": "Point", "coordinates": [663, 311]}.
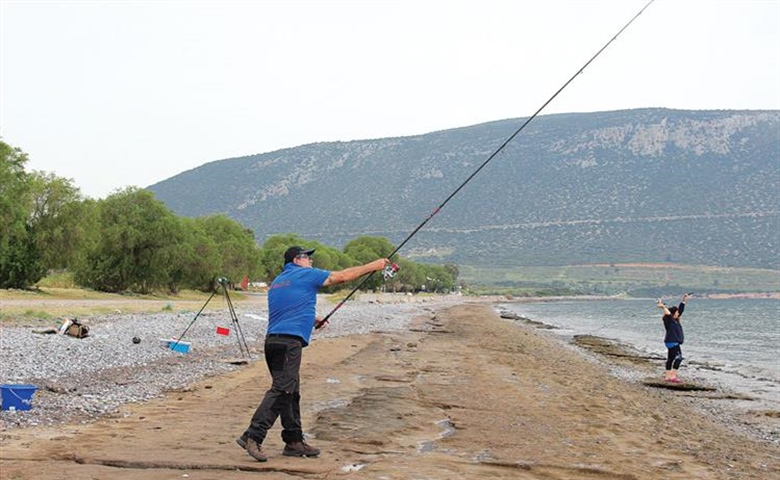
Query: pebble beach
{"type": "Point", "coordinates": [79, 380]}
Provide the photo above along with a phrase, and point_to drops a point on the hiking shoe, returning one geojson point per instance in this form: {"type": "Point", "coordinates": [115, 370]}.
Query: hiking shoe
{"type": "Point", "coordinates": [300, 449]}
{"type": "Point", "coordinates": [254, 449]}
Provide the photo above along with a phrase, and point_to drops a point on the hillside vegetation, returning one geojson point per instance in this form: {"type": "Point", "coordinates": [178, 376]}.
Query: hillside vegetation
{"type": "Point", "coordinates": [635, 186]}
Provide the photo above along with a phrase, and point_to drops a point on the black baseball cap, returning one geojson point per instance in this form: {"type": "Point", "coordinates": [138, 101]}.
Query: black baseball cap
{"type": "Point", "coordinates": [293, 252]}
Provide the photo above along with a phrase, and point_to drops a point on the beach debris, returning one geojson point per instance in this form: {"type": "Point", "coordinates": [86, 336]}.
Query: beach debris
{"type": "Point", "coordinates": [681, 386]}
{"type": "Point", "coordinates": [77, 329]}
{"type": "Point", "coordinates": [354, 467]}
{"type": "Point", "coordinates": [66, 326]}
{"type": "Point", "coordinates": [508, 315]}
{"type": "Point", "coordinates": [136, 340]}
{"type": "Point", "coordinates": [612, 348]}
{"type": "Point", "coordinates": [235, 361]}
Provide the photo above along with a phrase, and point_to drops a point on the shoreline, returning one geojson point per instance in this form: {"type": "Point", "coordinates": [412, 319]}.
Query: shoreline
{"type": "Point", "coordinates": [443, 388]}
{"type": "Point", "coordinates": [113, 382]}
{"type": "Point", "coordinates": [708, 388]}
{"type": "Point", "coordinates": [454, 392]}
{"type": "Point", "coordinates": [113, 385]}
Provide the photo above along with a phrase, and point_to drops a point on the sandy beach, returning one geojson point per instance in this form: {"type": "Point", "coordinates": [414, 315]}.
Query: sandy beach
{"type": "Point", "coordinates": [462, 393]}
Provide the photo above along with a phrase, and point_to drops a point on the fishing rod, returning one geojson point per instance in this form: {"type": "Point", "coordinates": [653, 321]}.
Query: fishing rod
{"type": "Point", "coordinates": [391, 269]}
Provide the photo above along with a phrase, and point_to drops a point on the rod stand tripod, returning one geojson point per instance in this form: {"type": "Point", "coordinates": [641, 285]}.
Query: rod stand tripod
{"type": "Point", "coordinates": [242, 345]}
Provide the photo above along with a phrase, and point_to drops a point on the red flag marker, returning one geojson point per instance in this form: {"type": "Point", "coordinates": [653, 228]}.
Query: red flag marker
{"type": "Point", "coordinates": [223, 331]}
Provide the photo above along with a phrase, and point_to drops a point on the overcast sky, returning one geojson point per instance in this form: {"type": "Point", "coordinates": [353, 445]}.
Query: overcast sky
{"type": "Point", "coordinates": [129, 93]}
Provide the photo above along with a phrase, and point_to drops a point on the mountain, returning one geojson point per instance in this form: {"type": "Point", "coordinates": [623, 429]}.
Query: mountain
{"type": "Point", "coordinates": [646, 185]}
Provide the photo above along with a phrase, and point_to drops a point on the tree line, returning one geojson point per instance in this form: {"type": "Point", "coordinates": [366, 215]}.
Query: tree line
{"type": "Point", "coordinates": [131, 242]}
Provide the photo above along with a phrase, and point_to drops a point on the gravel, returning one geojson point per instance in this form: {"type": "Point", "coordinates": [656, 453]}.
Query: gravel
{"type": "Point", "coordinates": [79, 380]}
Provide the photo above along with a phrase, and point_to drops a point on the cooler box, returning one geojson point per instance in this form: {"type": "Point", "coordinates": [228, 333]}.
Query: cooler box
{"type": "Point", "coordinates": [17, 397]}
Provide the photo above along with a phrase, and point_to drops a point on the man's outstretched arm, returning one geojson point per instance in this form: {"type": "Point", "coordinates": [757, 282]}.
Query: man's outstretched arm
{"type": "Point", "coordinates": [352, 273]}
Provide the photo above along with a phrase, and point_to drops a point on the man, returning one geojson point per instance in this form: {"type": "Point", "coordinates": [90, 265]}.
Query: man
{"type": "Point", "coordinates": [674, 338]}
{"type": "Point", "coordinates": [292, 301]}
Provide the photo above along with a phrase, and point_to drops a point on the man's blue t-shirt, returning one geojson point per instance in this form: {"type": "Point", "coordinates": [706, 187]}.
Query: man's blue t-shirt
{"type": "Point", "coordinates": [292, 301]}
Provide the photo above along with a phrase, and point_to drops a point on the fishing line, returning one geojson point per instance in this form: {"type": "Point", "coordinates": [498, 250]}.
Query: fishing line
{"type": "Point", "coordinates": [610, 324]}
{"type": "Point", "coordinates": [484, 164]}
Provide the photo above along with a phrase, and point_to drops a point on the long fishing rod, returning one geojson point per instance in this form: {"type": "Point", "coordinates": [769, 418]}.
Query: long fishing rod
{"type": "Point", "coordinates": [393, 268]}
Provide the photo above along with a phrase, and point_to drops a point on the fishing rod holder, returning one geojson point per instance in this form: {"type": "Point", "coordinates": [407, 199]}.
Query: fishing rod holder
{"type": "Point", "coordinates": [222, 284]}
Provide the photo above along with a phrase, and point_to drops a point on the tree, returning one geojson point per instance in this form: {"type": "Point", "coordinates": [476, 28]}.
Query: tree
{"type": "Point", "coordinates": [326, 258]}
{"type": "Point", "coordinates": [438, 278]}
{"type": "Point", "coordinates": [409, 278]}
{"type": "Point", "coordinates": [366, 249]}
{"type": "Point", "coordinates": [237, 249]}
{"type": "Point", "coordinates": [199, 258]}
{"type": "Point", "coordinates": [453, 270]}
{"type": "Point", "coordinates": [272, 253]}
{"type": "Point", "coordinates": [20, 264]}
{"type": "Point", "coordinates": [60, 220]}
{"type": "Point", "coordinates": [329, 258]}
{"type": "Point", "coordinates": [137, 246]}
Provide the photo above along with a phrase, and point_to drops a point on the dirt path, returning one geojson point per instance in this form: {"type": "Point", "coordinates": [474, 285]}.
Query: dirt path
{"type": "Point", "coordinates": [463, 395]}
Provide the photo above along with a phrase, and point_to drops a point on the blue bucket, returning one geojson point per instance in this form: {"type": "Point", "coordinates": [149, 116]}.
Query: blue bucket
{"type": "Point", "coordinates": [17, 397]}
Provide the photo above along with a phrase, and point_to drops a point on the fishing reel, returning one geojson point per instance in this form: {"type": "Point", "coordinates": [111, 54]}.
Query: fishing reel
{"type": "Point", "coordinates": [390, 271]}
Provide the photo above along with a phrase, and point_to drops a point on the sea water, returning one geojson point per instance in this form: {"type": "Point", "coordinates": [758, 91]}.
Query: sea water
{"type": "Point", "coordinates": [733, 343]}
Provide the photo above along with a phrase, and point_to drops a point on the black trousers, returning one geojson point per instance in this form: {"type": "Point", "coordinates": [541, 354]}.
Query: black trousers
{"type": "Point", "coordinates": [674, 358]}
{"type": "Point", "coordinates": [283, 399]}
